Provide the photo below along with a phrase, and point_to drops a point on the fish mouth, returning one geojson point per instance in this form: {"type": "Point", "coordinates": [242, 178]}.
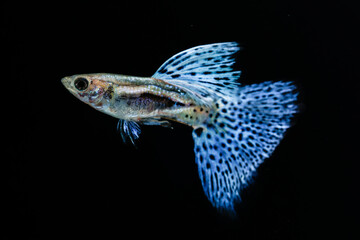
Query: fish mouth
{"type": "Point", "coordinates": [66, 81]}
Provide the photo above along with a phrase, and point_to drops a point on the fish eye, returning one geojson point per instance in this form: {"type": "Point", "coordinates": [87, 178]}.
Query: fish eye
{"type": "Point", "coordinates": [81, 83]}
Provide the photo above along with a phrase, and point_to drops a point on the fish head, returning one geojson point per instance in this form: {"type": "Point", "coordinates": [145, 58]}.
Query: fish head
{"type": "Point", "coordinates": [88, 88]}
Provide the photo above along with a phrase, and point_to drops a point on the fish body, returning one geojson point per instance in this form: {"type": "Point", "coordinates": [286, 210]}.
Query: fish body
{"type": "Point", "coordinates": [140, 99]}
{"type": "Point", "coordinates": [236, 127]}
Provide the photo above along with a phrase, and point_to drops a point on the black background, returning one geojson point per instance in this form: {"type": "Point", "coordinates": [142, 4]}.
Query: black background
{"type": "Point", "coordinates": [68, 175]}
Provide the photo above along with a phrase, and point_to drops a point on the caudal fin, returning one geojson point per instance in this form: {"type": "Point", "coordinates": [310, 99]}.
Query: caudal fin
{"type": "Point", "coordinates": [239, 136]}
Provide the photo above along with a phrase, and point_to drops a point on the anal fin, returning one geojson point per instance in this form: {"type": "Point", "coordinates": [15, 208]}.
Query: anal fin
{"type": "Point", "coordinates": [156, 121]}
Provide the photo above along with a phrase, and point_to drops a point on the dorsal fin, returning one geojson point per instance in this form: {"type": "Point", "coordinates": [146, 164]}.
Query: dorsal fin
{"type": "Point", "coordinates": [207, 66]}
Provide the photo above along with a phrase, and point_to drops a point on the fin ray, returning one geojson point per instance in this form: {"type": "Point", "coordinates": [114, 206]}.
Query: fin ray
{"type": "Point", "coordinates": [129, 130]}
{"type": "Point", "coordinates": [203, 67]}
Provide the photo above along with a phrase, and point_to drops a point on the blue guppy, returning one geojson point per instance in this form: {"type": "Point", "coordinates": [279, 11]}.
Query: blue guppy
{"type": "Point", "coordinates": [236, 126]}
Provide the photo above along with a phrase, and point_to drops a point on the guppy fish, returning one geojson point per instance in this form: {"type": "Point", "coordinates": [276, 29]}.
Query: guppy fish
{"type": "Point", "coordinates": [236, 127]}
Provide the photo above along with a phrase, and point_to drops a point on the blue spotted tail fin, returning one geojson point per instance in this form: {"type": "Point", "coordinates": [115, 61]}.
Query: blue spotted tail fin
{"type": "Point", "coordinates": [239, 136]}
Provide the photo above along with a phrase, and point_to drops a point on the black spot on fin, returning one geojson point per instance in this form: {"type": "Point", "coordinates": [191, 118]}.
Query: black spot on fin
{"type": "Point", "coordinates": [198, 131]}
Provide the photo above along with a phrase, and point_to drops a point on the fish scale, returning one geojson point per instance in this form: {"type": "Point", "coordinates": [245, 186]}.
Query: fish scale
{"type": "Point", "coordinates": [236, 127]}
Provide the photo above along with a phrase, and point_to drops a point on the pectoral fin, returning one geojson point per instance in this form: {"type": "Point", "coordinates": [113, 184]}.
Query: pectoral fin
{"type": "Point", "coordinates": [129, 130]}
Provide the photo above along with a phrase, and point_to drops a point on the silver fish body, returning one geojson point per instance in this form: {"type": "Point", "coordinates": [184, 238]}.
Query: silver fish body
{"type": "Point", "coordinates": [141, 99]}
